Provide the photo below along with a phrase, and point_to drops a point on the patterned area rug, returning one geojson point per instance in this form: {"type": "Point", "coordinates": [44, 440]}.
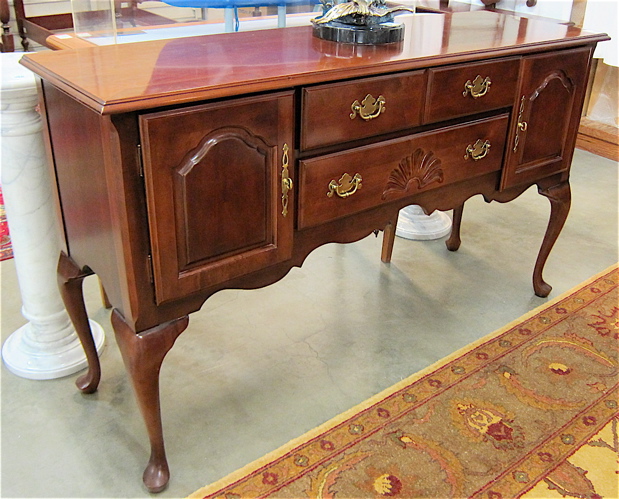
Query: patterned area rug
{"type": "Point", "coordinates": [518, 413]}
{"type": "Point", "coordinates": [6, 251]}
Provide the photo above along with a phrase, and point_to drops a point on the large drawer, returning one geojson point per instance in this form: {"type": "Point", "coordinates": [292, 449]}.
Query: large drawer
{"type": "Point", "coordinates": [466, 89]}
{"type": "Point", "coordinates": [341, 112]}
{"type": "Point", "coordinates": [340, 184]}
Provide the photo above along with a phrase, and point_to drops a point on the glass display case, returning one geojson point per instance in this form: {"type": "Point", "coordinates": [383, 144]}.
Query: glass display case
{"type": "Point", "coordinates": [95, 18]}
{"type": "Point", "coordinates": [105, 22]}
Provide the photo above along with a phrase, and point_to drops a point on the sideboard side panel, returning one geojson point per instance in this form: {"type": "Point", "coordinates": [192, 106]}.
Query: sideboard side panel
{"type": "Point", "coordinates": [49, 150]}
{"type": "Point", "coordinates": [76, 138]}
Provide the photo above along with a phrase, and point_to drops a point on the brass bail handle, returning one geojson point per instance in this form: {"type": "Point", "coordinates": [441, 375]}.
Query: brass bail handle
{"type": "Point", "coordinates": [478, 87]}
{"type": "Point", "coordinates": [369, 108]}
{"type": "Point", "coordinates": [477, 151]}
{"type": "Point", "coordinates": [346, 186]}
{"type": "Point", "coordinates": [286, 180]}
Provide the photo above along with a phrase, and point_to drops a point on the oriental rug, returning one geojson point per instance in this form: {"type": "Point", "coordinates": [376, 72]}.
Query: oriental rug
{"type": "Point", "coordinates": [6, 250]}
{"type": "Point", "coordinates": [506, 417]}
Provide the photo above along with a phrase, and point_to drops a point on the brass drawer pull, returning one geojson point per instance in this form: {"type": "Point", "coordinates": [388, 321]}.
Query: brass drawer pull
{"type": "Point", "coordinates": [286, 180]}
{"type": "Point", "coordinates": [369, 108]}
{"type": "Point", "coordinates": [478, 150]}
{"type": "Point", "coordinates": [346, 186]}
{"type": "Point", "coordinates": [478, 87]}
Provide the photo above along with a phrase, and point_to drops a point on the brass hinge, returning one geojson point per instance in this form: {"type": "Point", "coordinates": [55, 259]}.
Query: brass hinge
{"type": "Point", "coordinates": [149, 268]}
{"type": "Point", "coordinates": [140, 161]}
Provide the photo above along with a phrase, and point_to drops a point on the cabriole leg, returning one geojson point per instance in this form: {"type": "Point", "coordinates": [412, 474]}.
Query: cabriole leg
{"type": "Point", "coordinates": [453, 241]}
{"type": "Point", "coordinates": [70, 279]}
{"type": "Point", "coordinates": [560, 200]}
{"type": "Point", "coordinates": [143, 355]}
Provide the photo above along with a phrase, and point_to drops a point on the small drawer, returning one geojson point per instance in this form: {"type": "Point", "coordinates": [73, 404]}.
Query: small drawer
{"type": "Point", "coordinates": [336, 185]}
{"type": "Point", "coordinates": [341, 112]}
{"type": "Point", "coordinates": [470, 88]}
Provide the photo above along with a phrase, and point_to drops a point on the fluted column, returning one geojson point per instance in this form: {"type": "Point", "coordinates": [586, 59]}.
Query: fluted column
{"type": "Point", "coordinates": [47, 346]}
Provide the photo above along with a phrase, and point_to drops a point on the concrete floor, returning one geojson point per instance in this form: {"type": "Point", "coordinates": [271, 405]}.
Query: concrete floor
{"type": "Point", "coordinates": [258, 368]}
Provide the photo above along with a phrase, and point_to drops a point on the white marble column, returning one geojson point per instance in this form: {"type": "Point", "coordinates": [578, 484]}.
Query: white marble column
{"type": "Point", "coordinates": [413, 223]}
{"type": "Point", "coordinates": [47, 346]}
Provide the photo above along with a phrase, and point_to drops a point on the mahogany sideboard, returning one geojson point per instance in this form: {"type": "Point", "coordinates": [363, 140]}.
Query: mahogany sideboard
{"type": "Point", "coordinates": [187, 166]}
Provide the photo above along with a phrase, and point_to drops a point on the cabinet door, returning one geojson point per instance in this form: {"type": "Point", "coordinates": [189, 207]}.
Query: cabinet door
{"type": "Point", "coordinates": [214, 191]}
{"type": "Point", "coordinates": [546, 118]}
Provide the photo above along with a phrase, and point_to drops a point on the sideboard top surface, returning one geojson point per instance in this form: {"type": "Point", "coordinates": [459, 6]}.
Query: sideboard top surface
{"type": "Point", "coordinates": [133, 76]}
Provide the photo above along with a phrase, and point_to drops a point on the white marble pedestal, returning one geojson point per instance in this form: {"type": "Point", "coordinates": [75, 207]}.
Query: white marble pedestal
{"type": "Point", "coordinates": [413, 223]}
{"type": "Point", "coordinates": [47, 347]}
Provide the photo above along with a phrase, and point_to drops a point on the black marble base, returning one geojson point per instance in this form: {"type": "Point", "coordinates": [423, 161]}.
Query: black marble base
{"type": "Point", "coordinates": [363, 35]}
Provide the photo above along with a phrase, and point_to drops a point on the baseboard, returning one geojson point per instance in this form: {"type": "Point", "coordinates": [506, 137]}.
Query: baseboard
{"type": "Point", "coordinates": [598, 138]}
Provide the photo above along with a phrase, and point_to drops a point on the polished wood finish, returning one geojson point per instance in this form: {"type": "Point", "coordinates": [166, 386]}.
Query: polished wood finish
{"type": "Point", "coordinates": [447, 95]}
{"type": "Point", "coordinates": [453, 241]}
{"type": "Point", "coordinates": [70, 280]}
{"type": "Point", "coordinates": [397, 168]}
{"type": "Point", "coordinates": [143, 355]}
{"type": "Point", "coordinates": [388, 240]}
{"type": "Point", "coordinates": [174, 159]}
{"type": "Point", "coordinates": [214, 218]}
{"type": "Point", "coordinates": [560, 199]}
{"type": "Point", "coordinates": [7, 44]}
{"type": "Point", "coordinates": [20, 18]}
{"type": "Point", "coordinates": [599, 138]}
{"type": "Point", "coordinates": [190, 69]}
{"type": "Point", "coordinates": [552, 95]}
{"type": "Point", "coordinates": [66, 41]}
{"type": "Point", "coordinates": [326, 110]}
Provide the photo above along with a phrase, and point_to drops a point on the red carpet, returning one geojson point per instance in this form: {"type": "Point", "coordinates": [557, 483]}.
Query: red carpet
{"type": "Point", "coordinates": [6, 251]}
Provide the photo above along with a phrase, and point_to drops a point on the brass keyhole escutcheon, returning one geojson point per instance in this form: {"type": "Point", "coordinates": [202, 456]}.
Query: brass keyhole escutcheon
{"type": "Point", "coordinates": [478, 150]}
{"type": "Point", "coordinates": [478, 87]}
{"type": "Point", "coordinates": [346, 186]}
{"type": "Point", "coordinates": [369, 108]}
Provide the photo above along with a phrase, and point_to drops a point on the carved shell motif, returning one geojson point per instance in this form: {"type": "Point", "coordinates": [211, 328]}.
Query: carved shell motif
{"type": "Point", "coordinates": [420, 167]}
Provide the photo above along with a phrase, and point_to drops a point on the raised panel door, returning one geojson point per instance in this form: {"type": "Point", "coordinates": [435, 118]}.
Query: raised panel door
{"type": "Point", "coordinates": [214, 191]}
{"type": "Point", "coordinates": [546, 116]}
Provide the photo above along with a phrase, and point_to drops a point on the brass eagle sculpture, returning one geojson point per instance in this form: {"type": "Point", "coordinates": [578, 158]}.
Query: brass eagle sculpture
{"type": "Point", "coordinates": [358, 12]}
